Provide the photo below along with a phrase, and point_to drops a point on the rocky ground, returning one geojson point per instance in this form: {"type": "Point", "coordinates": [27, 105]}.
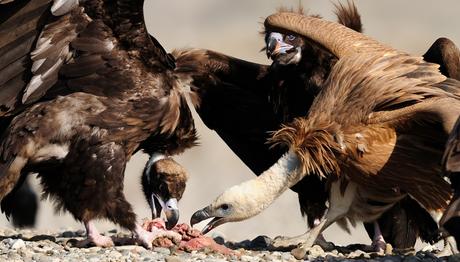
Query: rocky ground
{"type": "Point", "coordinates": [28, 245]}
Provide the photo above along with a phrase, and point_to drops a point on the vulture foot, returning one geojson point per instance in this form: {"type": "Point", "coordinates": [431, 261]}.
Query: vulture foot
{"type": "Point", "coordinates": [288, 242]}
{"type": "Point", "coordinates": [291, 242]}
{"type": "Point", "coordinates": [378, 242]}
{"type": "Point", "coordinates": [94, 237]}
{"type": "Point", "coordinates": [98, 240]}
{"type": "Point", "coordinates": [146, 237]}
{"type": "Point", "coordinates": [450, 247]}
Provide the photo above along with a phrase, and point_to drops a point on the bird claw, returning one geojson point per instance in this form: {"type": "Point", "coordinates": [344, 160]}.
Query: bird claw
{"type": "Point", "coordinates": [286, 242]}
{"type": "Point", "coordinates": [98, 240]}
{"type": "Point", "coordinates": [146, 237]}
{"type": "Point", "coordinates": [379, 246]}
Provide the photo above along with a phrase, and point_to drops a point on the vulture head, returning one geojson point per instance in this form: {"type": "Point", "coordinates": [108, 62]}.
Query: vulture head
{"type": "Point", "coordinates": [286, 47]}
{"type": "Point", "coordinates": [248, 199]}
{"type": "Point", "coordinates": [163, 183]}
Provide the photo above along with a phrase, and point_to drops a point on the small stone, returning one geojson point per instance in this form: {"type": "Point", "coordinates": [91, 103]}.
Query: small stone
{"type": "Point", "coordinates": [316, 251]}
{"type": "Point", "coordinates": [358, 253]}
{"type": "Point", "coordinates": [162, 250]}
{"type": "Point", "coordinates": [68, 234]}
{"type": "Point", "coordinates": [245, 244]}
{"type": "Point", "coordinates": [261, 242]}
{"type": "Point", "coordinates": [219, 240]}
{"type": "Point", "coordinates": [94, 249]}
{"type": "Point", "coordinates": [299, 253]}
{"type": "Point", "coordinates": [388, 249]}
{"type": "Point", "coordinates": [172, 259]}
{"type": "Point", "coordinates": [247, 258]}
{"type": "Point", "coordinates": [43, 237]}
{"type": "Point", "coordinates": [114, 254]}
{"type": "Point", "coordinates": [18, 243]}
{"type": "Point", "coordinates": [286, 256]}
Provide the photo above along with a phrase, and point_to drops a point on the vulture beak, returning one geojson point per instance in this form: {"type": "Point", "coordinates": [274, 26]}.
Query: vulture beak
{"type": "Point", "coordinates": [169, 207]}
{"type": "Point", "coordinates": [276, 46]}
{"type": "Point", "coordinates": [204, 214]}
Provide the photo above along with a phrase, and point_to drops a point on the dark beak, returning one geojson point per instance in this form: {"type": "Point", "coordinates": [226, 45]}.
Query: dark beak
{"type": "Point", "coordinates": [169, 207]}
{"type": "Point", "coordinates": [203, 214]}
{"type": "Point", "coordinates": [276, 46]}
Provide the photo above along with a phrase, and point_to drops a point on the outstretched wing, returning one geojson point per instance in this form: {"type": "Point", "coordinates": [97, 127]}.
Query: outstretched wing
{"type": "Point", "coordinates": [231, 97]}
{"type": "Point", "coordinates": [445, 53]}
{"type": "Point", "coordinates": [50, 47]}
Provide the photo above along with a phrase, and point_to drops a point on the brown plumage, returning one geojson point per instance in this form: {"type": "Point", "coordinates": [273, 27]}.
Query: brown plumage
{"type": "Point", "coordinates": [451, 167]}
{"type": "Point", "coordinates": [341, 135]}
{"type": "Point", "coordinates": [243, 101]}
{"type": "Point", "coordinates": [83, 87]}
{"type": "Point", "coordinates": [375, 133]}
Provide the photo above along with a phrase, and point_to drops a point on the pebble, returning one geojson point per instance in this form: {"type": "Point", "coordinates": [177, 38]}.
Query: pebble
{"type": "Point", "coordinates": [50, 247]}
{"type": "Point", "coordinates": [162, 250]}
{"type": "Point", "coordinates": [172, 259]}
{"type": "Point", "coordinates": [17, 244]}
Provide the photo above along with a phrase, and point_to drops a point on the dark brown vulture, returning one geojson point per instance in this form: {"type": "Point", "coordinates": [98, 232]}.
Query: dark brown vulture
{"type": "Point", "coordinates": [375, 134]}
{"type": "Point", "coordinates": [83, 86]}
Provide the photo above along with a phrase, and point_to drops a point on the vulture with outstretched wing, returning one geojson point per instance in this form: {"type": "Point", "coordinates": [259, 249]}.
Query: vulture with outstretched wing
{"type": "Point", "coordinates": [82, 87]}
{"type": "Point", "coordinates": [375, 134]}
{"type": "Point", "coordinates": [243, 101]}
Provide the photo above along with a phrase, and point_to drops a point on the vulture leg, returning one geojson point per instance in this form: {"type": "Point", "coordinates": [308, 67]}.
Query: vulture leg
{"type": "Point", "coordinates": [378, 242]}
{"type": "Point", "coordinates": [339, 206]}
{"type": "Point", "coordinates": [93, 236]}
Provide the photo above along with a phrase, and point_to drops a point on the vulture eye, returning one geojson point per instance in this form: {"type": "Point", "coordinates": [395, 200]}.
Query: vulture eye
{"type": "Point", "coordinates": [290, 37]}
{"type": "Point", "coordinates": [224, 207]}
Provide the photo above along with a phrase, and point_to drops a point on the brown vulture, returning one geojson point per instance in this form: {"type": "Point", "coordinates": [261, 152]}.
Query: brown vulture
{"type": "Point", "coordinates": [254, 99]}
{"type": "Point", "coordinates": [83, 86]}
{"type": "Point", "coordinates": [374, 134]}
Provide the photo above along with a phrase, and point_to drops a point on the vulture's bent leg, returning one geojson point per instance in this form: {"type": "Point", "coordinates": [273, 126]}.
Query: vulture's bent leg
{"type": "Point", "coordinates": [286, 242]}
{"type": "Point", "coordinates": [378, 243]}
{"type": "Point", "coordinates": [339, 206]}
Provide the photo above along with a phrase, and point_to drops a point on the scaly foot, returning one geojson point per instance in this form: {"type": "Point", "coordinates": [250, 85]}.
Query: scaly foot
{"type": "Point", "coordinates": [146, 237]}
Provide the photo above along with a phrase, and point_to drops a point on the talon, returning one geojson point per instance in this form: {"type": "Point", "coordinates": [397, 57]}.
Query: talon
{"type": "Point", "coordinates": [299, 253]}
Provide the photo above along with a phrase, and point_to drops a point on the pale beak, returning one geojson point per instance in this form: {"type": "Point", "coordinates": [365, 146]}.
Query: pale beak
{"type": "Point", "coordinates": [170, 209]}
{"type": "Point", "coordinates": [276, 46]}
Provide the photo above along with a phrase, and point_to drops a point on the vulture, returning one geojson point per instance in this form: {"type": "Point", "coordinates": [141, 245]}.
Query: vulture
{"type": "Point", "coordinates": [83, 86]}
{"type": "Point", "coordinates": [374, 134]}
{"type": "Point", "coordinates": [451, 219]}
{"type": "Point", "coordinates": [254, 99]}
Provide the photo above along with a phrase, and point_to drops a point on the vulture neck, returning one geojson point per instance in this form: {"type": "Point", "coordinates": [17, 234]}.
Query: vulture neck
{"type": "Point", "coordinates": [273, 182]}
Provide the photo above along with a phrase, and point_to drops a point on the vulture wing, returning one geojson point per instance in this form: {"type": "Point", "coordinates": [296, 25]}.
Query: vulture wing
{"type": "Point", "coordinates": [445, 53]}
{"type": "Point", "coordinates": [56, 42]}
{"type": "Point", "coordinates": [407, 95]}
{"type": "Point", "coordinates": [231, 97]}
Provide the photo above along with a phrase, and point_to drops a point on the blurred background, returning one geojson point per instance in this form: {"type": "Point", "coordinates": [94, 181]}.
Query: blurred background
{"type": "Point", "coordinates": [232, 27]}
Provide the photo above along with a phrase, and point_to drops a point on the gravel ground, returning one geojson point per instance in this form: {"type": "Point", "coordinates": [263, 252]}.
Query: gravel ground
{"type": "Point", "coordinates": [29, 245]}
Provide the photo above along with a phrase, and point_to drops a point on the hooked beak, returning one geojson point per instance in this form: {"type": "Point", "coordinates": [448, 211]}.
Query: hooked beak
{"type": "Point", "coordinates": [170, 208]}
{"type": "Point", "coordinates": [276, 46]}
{"type": "Point", "coordinates": [203, 214]}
